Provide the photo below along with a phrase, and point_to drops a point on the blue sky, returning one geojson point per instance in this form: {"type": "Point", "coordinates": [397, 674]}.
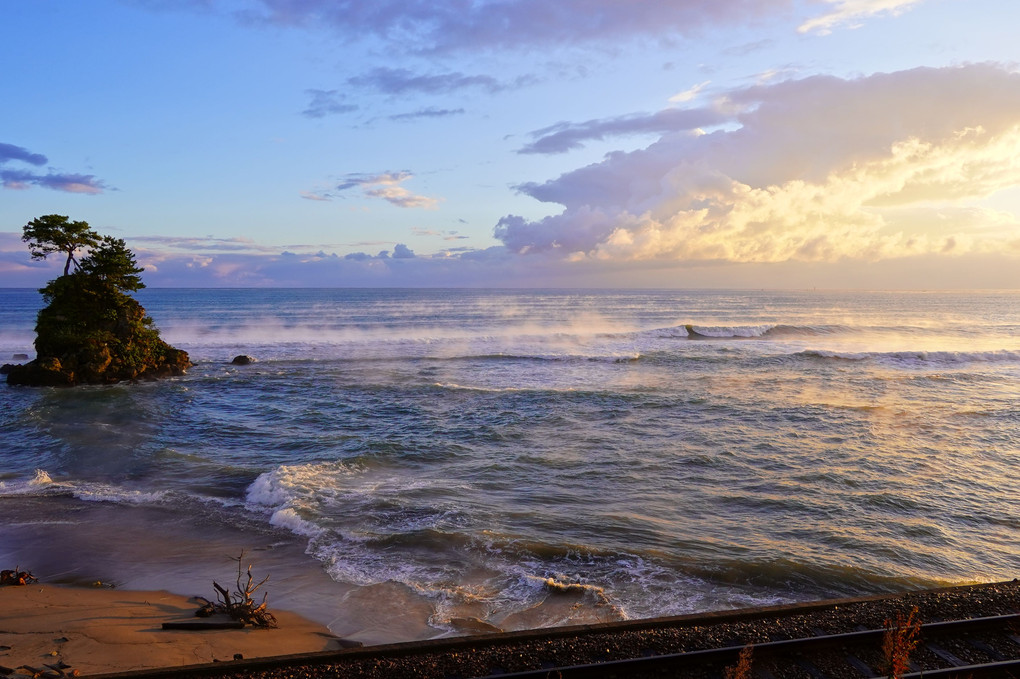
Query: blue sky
{"type": "Point", "coordinates": [702, 143]}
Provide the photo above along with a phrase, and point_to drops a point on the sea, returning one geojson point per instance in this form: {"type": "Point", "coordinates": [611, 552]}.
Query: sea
{"type": "Point", "coordinates": [413, 463]}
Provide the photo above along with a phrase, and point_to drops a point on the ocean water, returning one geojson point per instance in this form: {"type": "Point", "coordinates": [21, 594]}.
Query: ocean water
{"type": "Point", "coordinates": [409, 459]}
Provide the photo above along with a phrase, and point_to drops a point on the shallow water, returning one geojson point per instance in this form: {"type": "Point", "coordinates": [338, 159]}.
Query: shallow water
{"type": "Point", "coordinates": [541, 457]}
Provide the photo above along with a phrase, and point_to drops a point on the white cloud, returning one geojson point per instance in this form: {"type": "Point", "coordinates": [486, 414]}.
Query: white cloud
{"type": "Point", "coordinates": [852, 12]}
{"type": "Point", "coordinates": [384, 185]}
{"type": "Point", "coordinates": [689, 94]}
{"type": "Point", "coordinates": [819, 169]}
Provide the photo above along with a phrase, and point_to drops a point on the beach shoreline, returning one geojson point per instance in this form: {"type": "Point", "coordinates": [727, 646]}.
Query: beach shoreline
{"type": "Point", "coordinates": [67, 542]}
{"type": "Point", "coordinates": [98, 630]}
{"type": "Point", "coordinates": [101, 631]}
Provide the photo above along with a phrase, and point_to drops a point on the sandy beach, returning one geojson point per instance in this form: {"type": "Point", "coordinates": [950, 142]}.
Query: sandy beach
{"type": "Point", "coordinates": [101, 630]}
{"type": "Point", "coordinates": [53, 631]}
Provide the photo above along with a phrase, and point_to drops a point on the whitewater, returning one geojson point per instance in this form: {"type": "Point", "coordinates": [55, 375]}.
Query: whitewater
{"type": "Point", "coordinates": [409, 463]}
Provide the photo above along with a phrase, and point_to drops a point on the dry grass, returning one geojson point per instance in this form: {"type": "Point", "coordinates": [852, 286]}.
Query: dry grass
{"type": "Point", "coordinates": [900, 640]}
{"type": "Point", "coordinates": [742, 670]}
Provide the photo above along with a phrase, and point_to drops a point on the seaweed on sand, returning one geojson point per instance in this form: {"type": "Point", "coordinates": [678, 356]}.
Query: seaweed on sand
{"type": "Point", "coordinates": [17, 577]}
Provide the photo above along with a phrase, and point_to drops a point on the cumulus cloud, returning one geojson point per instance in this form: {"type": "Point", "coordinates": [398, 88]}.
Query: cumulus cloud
{"type": "Point", "coordinates": [401, 251]}
{"type": "Point", "coordinates": [816, 169]}
{"type": "Point", "coordinates": [402, 268]}
{"type": "Point", "coordinates": [515, 24]}
{"type": "Point", "coordinates": [853, 12]}
{"type": "Point", "coordinates": [17, 178]}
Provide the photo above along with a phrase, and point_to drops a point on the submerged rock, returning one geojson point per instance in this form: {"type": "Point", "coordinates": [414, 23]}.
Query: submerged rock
{"type": "Point", "coordinates": [47, 372]}
{"type": "Point", "coordinates": [243, 359]}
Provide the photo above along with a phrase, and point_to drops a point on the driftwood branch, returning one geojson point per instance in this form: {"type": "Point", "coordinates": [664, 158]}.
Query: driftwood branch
{"type": "Point", "coordinates": [240, 605]}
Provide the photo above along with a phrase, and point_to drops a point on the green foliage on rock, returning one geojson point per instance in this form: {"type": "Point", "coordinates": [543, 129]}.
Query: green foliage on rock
{"type": "Point", "coordinates": [91, 331]}
{"type": "Point", "coordinates": [56, 233]}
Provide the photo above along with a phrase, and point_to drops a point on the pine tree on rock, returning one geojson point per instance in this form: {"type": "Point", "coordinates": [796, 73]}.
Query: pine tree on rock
{"type": "Point", "coordinates": [91, 331]}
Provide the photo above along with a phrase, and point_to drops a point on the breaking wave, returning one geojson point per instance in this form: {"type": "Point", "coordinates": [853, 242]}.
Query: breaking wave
{"type": "Point", "coordinates": [910, 358]}
{"type": "Point", "coordinates": [42, 484]}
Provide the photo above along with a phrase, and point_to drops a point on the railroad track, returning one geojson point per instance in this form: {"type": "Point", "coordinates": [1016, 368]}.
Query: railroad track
{"type": "Point", "coordinates": [977, 647]}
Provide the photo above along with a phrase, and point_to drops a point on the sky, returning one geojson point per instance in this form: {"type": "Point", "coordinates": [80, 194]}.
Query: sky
{"type": "Point", "coordinates": [866, 144]}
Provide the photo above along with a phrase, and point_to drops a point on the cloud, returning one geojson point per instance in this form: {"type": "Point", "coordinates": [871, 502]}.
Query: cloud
{"type": "Point", "coordinates": [445, 235]}
{"type": "Point", "coordinates": [523, 24]}
{"type": "Point", "coordinates": [497, 266]}
{"type": "Point", "coordinates": [430, 112]}
{"type": "Point", "coordinates": [749, 48]}
{"type": "Point", "coordinates": [817, 169]}
{"type": "Point", "coordinates": [12, 152]}
{"type": "Point", "coordinates": [309, 195]}
{"type": "Point", "coordinates": [327, 102]}
{"type": "Point", "coordinates": [689, 94]}
{"type": "Point", "coordinates": [58, 181]}
{"type": "Point", "coordinates": [853, 12]}
{"type": "Point", "coordinates": [387, 186]}
{"type": "Point", "coordinates": [401, 251]}
{"type": "Point", "coordinates": [400, 81]}
{"type": "Point", "coordinates": [564, 137]}
{"type": "Point", "coordinates": [200, 244]}
{"type": "Point", "coordinates": [71, 183]}
{"type": "Point", "coordinates": [508, 24]}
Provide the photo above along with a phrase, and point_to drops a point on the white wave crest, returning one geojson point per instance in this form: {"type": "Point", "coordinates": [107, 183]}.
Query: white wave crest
{"type": "Point", "coordinates": [292, 493]}
{"type": "Point", "coordinates": [908, 358]}
{"type": "Point", "coordinates": [290, 484]}
{"type": "Point", "coordinates": [41, 483]}
{"type": "Point", "coordinates": [288, 518]}
{"type": "Point", "coordinates": [104, 493]}
{"type": "Point", "coordinates": [723, 331]}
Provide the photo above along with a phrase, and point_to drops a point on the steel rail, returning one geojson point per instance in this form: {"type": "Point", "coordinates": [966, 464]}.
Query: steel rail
{"type": "Point", "coordinates": [729, 654]}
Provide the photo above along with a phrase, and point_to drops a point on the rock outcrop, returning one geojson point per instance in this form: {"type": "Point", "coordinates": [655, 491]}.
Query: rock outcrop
{"type": "Point", "coordinates": [91, 331]}
{"type": "Point", "coordinates": [82, 343]}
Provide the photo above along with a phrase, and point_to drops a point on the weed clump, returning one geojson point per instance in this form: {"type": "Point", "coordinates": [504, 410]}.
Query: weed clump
{"type": "Point", "coordinates": [900, 640]}
{"type": "Point", "coordinates": [742, 670]}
